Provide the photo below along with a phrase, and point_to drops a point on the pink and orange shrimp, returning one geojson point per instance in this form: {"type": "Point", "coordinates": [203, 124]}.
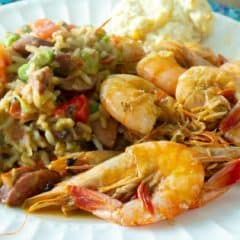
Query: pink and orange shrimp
{"type": "Point", "coordinates": [148, 183]}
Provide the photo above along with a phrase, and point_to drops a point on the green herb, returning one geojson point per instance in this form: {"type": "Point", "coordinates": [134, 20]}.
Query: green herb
{"type": "Point", "coordinates": [10, 39]}
{"type": "Point", "coordinates": [94, 107]}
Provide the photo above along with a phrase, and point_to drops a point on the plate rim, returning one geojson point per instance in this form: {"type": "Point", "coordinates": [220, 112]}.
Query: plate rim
{"type": "Point", "coordinates": [24, 4]}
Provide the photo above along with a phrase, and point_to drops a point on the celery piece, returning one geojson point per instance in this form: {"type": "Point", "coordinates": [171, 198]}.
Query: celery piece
{"type": "Point", "coordinates": [43, 57]}
{"type": "Point", "coordinates": [22, 72]}
{"type": "Point", "coordinates": [90, 59]}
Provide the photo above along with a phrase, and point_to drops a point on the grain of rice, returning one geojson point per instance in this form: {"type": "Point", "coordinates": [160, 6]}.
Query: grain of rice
{"type": "Point", "coordinates": [97, 143]}
{"type": "Point", "coordinates": [50, 138]}
{"type": "Point", "coordinates": [44, 157]}
{"type": "Point", "coordinates": [63, 123]}
{"type": "Point", "coordinates": [27, 161]}
{"type": "Point", "coordinates": [39, 139]}
{"type": "Point", "coordinates": [85, 77]}
{"type": "Point", "coordinates": [85, 127]}
{"type": "Point", "coordinates": [59, 149]}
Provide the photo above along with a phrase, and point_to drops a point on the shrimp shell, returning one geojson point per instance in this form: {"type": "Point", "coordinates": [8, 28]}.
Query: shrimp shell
{"type": "Point", "coordinates": [131, 101]}
{"type": "Point", "coordinates": [170, 170]}
{"type": "Point", "coordinates": [200, 90]}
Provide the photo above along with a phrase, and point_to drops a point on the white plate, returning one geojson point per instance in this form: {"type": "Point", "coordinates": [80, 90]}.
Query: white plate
{"type": "Point", "coordinates": [218, 220]}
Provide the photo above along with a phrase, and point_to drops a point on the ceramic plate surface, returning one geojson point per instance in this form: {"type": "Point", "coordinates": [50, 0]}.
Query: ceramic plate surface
{"type": "Point", "coordinates": [218, 220]}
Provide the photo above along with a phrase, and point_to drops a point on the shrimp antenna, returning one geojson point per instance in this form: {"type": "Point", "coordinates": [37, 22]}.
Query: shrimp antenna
{"type": "Point", "coordinates": [19, 229]}
{"type": "Point", "coordinates": [103, 24]}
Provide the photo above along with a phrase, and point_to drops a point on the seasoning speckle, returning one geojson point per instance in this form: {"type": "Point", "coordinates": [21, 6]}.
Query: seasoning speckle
{"type": "Point", "coordinates": [48, 187]}
{"type": "Point", "coordinates": [70, 161]}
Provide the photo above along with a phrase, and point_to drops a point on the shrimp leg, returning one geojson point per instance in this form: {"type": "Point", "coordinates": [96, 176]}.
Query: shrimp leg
{"type": "Point", "coordinates": [142, 208]}
{"type": "Point", "coordinates": [149, 182]}
{"type": "Point", "coordinates": [172, 179]}
{"type": "Point", "coordinates": [219, 183]}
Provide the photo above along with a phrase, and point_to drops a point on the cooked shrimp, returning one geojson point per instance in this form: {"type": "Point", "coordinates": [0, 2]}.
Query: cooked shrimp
{"type": "Point", "coordinates": [131, 101]}
{"type": "Point", "coordinates": [165, 67]}
{"type": "Point", "coordinates": [162, 70]}
{"type": "Point", "coordinates": [149, 182]}
{"type": "Point", "coordinates": [201, 90]}
{"type": "Point", "coordinates": [207, 92]}
{"type": "Point", "coordinates": [179, 178]}
{"type": "Point", "coordinates": [206, 53]}
{"type": "Point", "coordinates": [232, 67]}
{"type": "Point", "coordinates": [153, 206]}
{"type": "Point", "coordinates": [191, 54]}
{"type": "Point", "coordinates": [219, 183]}
{"type": "Point", "coordinates": [230, 125]}
{"type": "Point", "coordinates": [167, 177]}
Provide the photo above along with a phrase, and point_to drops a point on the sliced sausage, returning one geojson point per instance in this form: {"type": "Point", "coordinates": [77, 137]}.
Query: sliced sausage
{"type": "Point", "coordinates": [20, 45]}
{"type": "Point", "coordinates": [31, 184]}
{"type": "Point", "coordinates": [107, 136]}
{"type": "Point", "coordinates": [65, 63]}
{"type": "Point", "coordinates": [77, 84]}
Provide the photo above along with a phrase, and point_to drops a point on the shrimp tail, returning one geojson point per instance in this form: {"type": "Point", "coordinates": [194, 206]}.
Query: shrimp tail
{"type": "Point", "coordinates": [231, 120]}
{"type": "Point", "coordinates": [90, 200]}
{"type": "Point", "coordinates": [87, 199]}
{"type": "Point", "coordinates": [95, 202]}
{"type": "Point", "coordinates": [219, 183]}
{"type": "Point", "coordinates": [45, 200]}
{"type": "Point", "coordinates": [227, 176]}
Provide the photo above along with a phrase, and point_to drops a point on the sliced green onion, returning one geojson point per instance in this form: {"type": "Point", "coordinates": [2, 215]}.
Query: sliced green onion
{"type": "Point", "coordinates": [94, 107]}
{"type": "Point", "coordinates": [43, 58]}
{"type": "Point", "coordinates": [23, 72]}
{"type": "Point", "coordinates": [10, 39]}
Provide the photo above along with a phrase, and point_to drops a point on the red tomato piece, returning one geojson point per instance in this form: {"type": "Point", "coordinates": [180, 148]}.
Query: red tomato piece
{"type": "Point", "coordinates": [44, 28]}
{"type": "Point", "coordinates": [77, 108]}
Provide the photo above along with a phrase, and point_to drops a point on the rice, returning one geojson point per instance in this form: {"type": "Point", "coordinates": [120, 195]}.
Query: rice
{"type": "Point", "coordinates": [97, 143]}
{"type": "Point", "coordinates": [45, 76]}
